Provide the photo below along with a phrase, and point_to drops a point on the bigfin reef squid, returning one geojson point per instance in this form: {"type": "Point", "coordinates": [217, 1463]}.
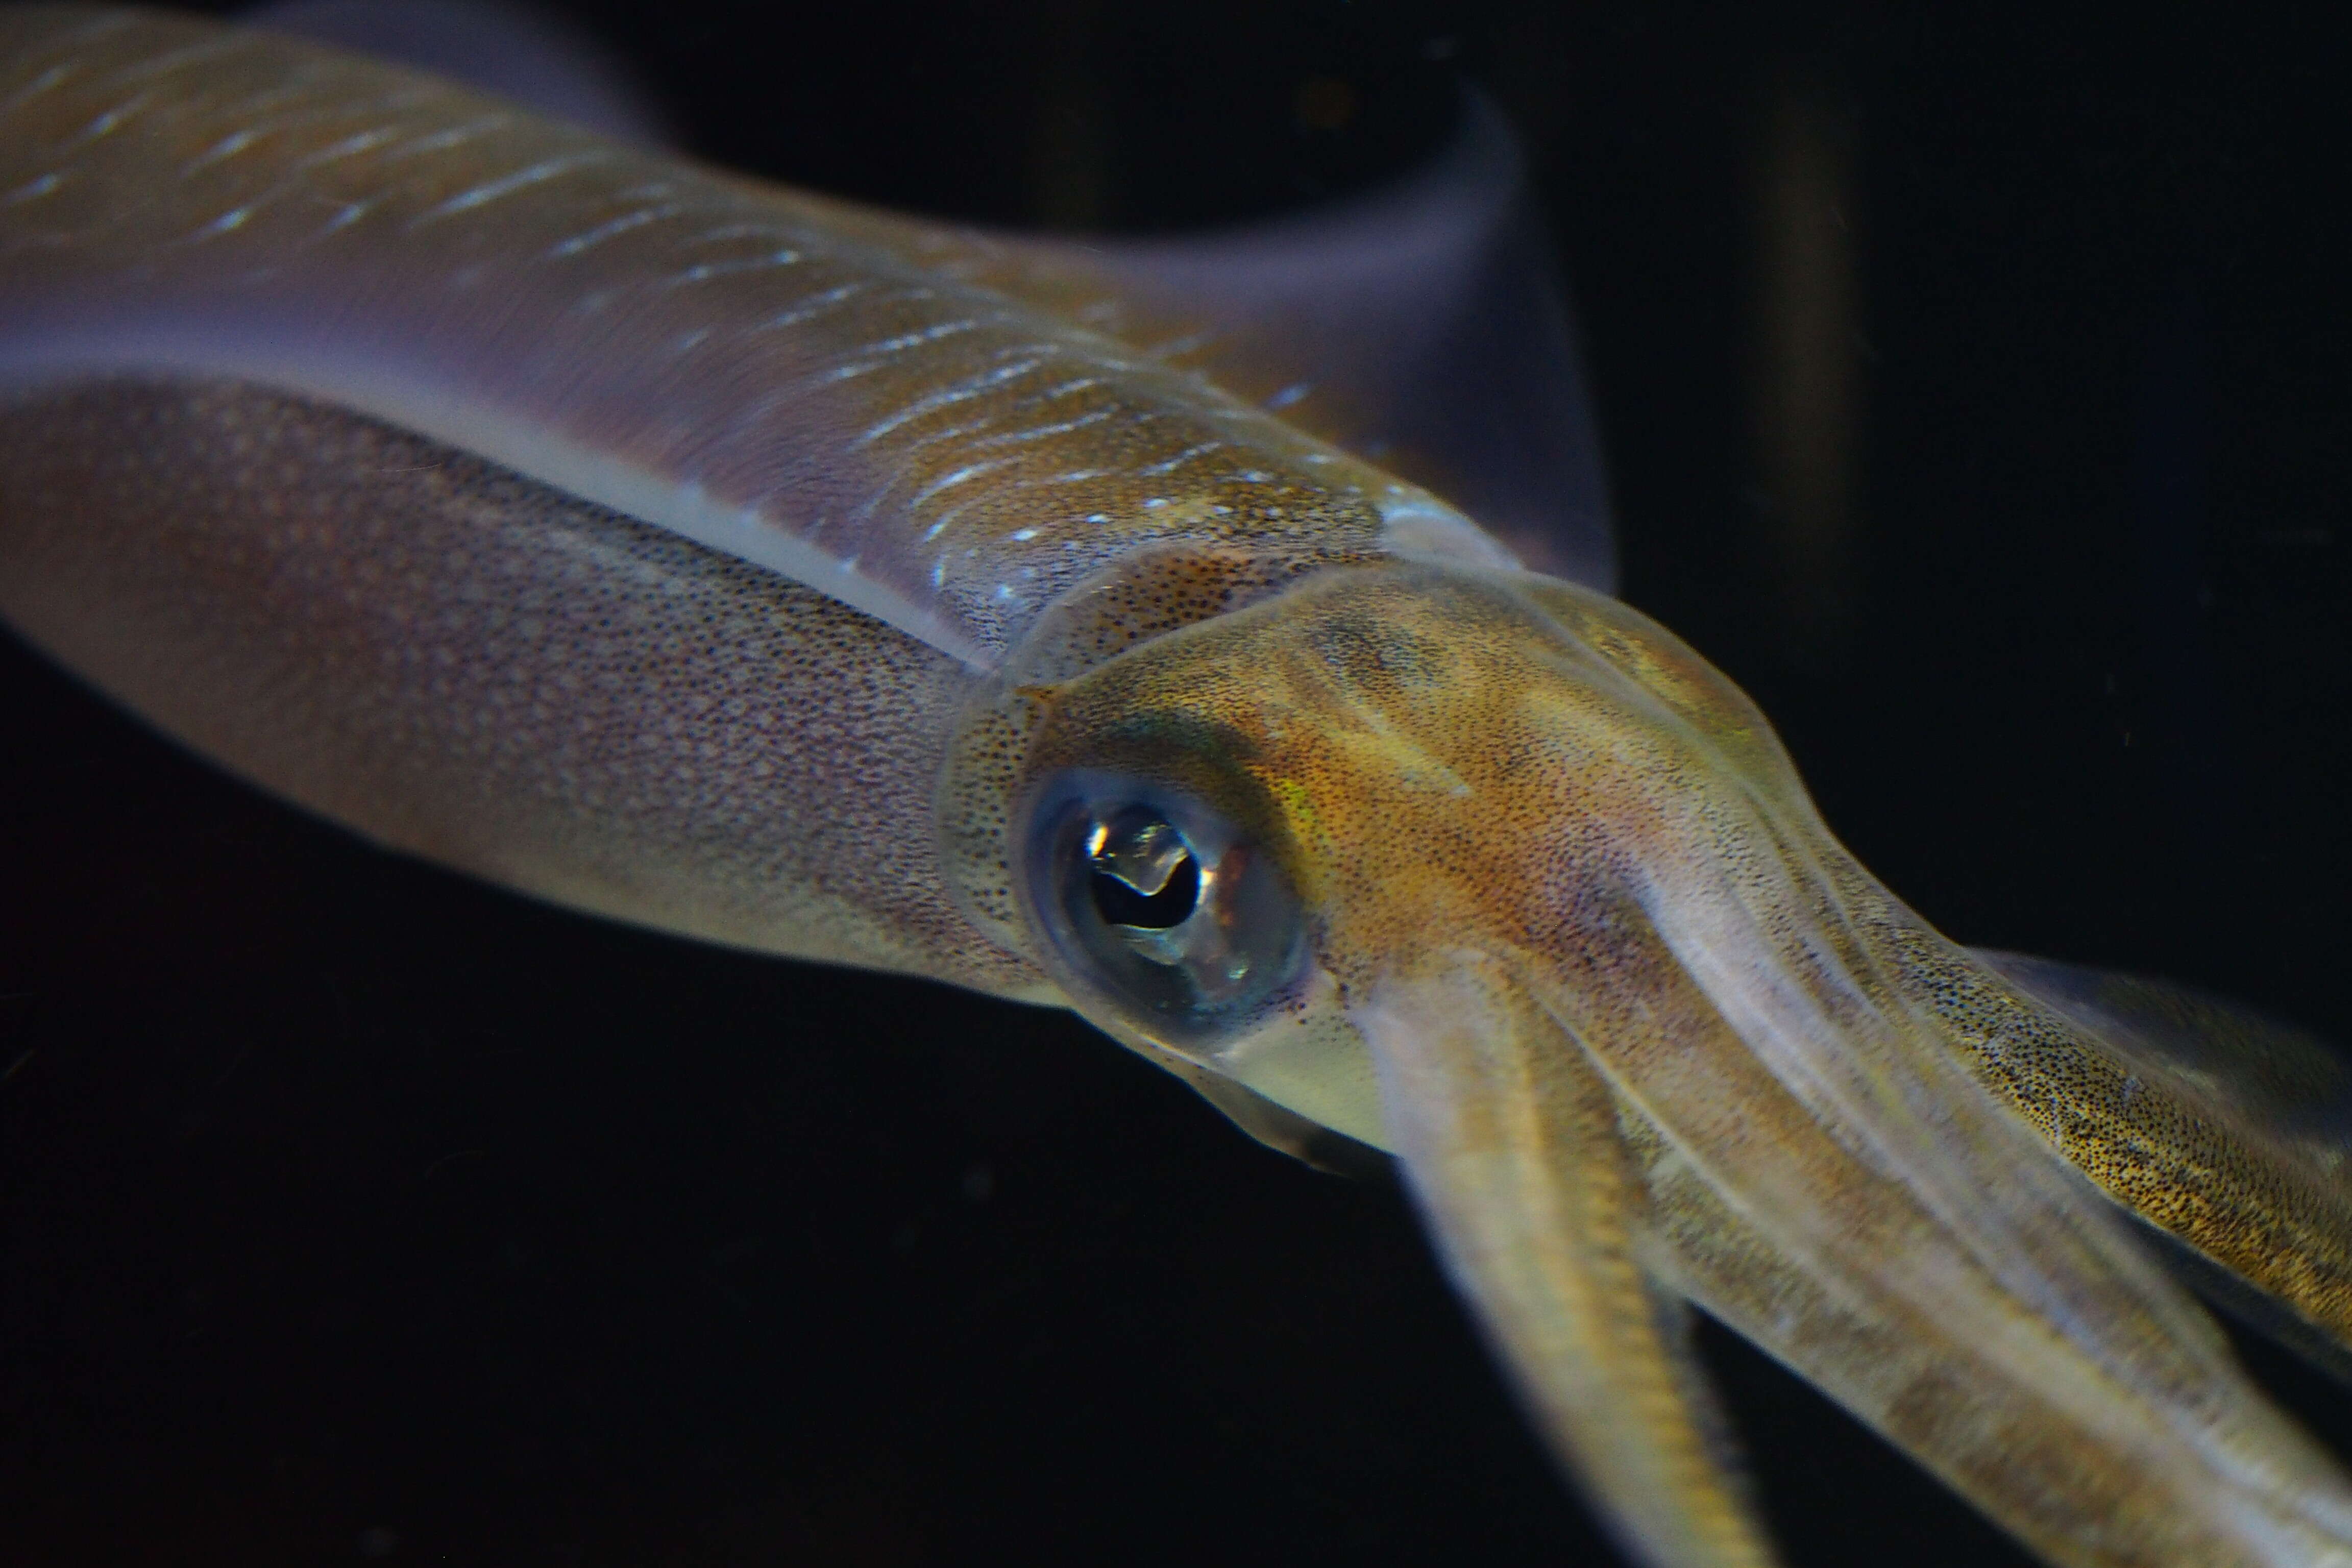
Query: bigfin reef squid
{"type": "Point", "coordinates": [1023, 614]}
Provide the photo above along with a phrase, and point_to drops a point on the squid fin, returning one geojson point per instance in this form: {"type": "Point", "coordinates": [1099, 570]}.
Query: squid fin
{"type": "Point", "coordinates": [1423, 327]}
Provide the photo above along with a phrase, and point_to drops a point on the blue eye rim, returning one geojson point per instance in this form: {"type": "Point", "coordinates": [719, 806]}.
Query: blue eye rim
{"type": "Point", "coordinates": [1188, 977]}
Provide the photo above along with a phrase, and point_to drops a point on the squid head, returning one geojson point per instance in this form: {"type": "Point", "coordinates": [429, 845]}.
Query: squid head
{"type": "Point", "coordinates": [1490, 872]}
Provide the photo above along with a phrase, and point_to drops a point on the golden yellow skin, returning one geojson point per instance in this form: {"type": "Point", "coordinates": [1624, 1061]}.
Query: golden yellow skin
{"type": "Point", "coordinates": [1641, 1027]}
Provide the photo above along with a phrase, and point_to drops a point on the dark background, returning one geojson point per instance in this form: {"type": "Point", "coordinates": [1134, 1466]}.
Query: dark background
{"type": "Point", "coordinates": [352, 1211]}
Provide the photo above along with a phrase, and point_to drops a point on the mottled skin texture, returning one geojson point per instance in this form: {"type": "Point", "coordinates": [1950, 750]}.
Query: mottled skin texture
{"type": "Point", "coordinates": [469, 665]}
{"type": "Point", "coordinates": [2249, 1196]}
{"type": "Point", "coordinates": [326, 393]}
{"type": "Point", "coordinates": [1551, 854]}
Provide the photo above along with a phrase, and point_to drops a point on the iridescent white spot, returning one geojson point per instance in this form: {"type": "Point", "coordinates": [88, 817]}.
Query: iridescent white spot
{"type": "Point", "coordinates": [1023, 535]}
{"type": "Point", "coordinates": [619, 226]}
{"type": "Point", "coordinates": [349, 146]}
{"type": "Point", "coordinates": [40, 84]}
{"type": "Point", "coordinates": [815, 305]}
{"type": "Point", "coordinates": [32, 190]}
{"type": "Point", "coordinates": [1043, 431]}
{"type": "Point", "coordinates": [1182, 457]}
{"type": "Point", "coordinates": [970, 471]}
{"type": "Point", "coordinates": [702, 272]}
{"type": "Point", "coordinates": [959, 392]}
{"type": "Point", "coordinates": [906, 341]}
{"type": "Point", "coordinates": [504, 186]}
{"type": "Point", "coordinates": [455, 136]}
{"type": "Point", "coordinates": [742, 231]}
{"type": "Point", "coordinates": [113, 118]}
{"type": "Point", "coordinates": [1290, 395]}
{"type": "Point", "coordinates": [228, 146]}
{"type": "Point", "coordinates": [231, 219]}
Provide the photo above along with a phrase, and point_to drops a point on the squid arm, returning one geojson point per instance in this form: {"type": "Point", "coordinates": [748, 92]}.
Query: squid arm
{"type": "Point", "coordinates": [745, 563]}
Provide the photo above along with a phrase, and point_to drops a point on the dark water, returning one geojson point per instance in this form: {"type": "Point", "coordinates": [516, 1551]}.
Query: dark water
{"type": "Point", "coordinates": [352, 1212]}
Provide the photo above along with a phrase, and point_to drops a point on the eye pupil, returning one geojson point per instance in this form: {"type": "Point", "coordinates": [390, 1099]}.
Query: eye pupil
{"type": "Point", "coordinates": [1144, 875]}
{"type": "Point", "coordinates": [1121, 904]}
{"type": "Point", "coordinates": [1156, 906]}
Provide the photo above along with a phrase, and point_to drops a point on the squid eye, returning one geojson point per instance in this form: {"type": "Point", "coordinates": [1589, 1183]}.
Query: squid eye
{"type": "Point", "coordinates": [1158, 905]}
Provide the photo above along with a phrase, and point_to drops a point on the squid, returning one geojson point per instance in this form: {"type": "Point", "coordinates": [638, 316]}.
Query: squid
{"type": "Point", "coordinates": [1027, 616]}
